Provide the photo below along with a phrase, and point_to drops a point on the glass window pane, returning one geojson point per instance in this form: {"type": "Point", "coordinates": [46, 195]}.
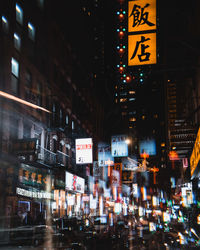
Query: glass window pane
{"type": "Point", "coordinates": [17, 41]}
{"type": "Point", "coordinates": [19, 14]}
{"type": "Point", "coordinates": [15, 67]}
{"type": "Point", "coordinates": [31, 31]}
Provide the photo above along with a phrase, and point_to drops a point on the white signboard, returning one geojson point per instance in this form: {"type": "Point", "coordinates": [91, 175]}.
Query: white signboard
{"type": "Point", "coordinates": [84, 151]}
{"type": "Point", "coordinates": [74, 183]}
{"type": "Point", "coordinates": [135, 189]}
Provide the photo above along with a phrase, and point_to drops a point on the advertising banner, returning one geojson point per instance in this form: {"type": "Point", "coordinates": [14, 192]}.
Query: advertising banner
{"type": "Point", "coordinates": [104, 155]}
{"type": "Point", "coordinates": [129, 164]}
{"type": "Point", "coordinates": [84, 151]}
{"type": "Point", "coordinates": [119, 146]}
{"type": "Point", "coordinates": [147, 146]}
{"type": "Point", "coordinates": [115, 178]}
{"type": "Point", "coordinates": [97, 171]}
{"type": "Point", "coordinates": [74, 183]}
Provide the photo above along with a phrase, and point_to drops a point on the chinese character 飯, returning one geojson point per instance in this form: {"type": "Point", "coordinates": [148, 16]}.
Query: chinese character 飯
{"type": "Point", "coordinates": [139, 16]}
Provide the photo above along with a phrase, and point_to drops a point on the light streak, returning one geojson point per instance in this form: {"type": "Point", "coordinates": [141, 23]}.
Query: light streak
{"type": "Point", "coordinates": [14, 98]}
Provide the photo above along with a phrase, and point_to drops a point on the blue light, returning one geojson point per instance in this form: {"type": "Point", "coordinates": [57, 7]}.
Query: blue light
{"type": "Point", "coordinates": [124, 12]}
{"type": "Point", "coordinates": [118, 47]}
{"type": "Point", "coordinates": [117, 30]}
{"type": "Point", "coordinates": [124, 29]}
{"type": "Point", "coordinates": [117, 65]}
{"type": "Point", "coordinates": [141, 80]}
{"type": "Point", "coordinates": [118, 12]}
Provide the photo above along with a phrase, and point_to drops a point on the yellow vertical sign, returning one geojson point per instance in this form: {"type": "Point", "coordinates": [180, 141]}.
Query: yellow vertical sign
{"type": "Point", "coordinates": [141, 15]}
{"type": "Point", "coordinates": [142, 49]}
{"type": "Point", "coordinates": [142, 35]}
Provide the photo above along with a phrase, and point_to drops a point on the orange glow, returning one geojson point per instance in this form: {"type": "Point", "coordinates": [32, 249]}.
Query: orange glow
{"type": "Point", "coordinates": [173, 156]}
{"type": "Point", "coordinates": [144, 155]}
{"type": "Point", "coordinates": [16, 99]}
{"type": "Point", "coordinates": [121, 68]}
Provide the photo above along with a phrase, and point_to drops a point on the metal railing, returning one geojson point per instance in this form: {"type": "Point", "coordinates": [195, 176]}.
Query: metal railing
{"type": "Point", "coordinates": [46, 155]}
{"type": "Point", "coordinates": [62, 158]}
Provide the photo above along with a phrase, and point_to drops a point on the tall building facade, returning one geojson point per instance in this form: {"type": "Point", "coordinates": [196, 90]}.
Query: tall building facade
{"type": "Point", "coordinates": [46, 103]}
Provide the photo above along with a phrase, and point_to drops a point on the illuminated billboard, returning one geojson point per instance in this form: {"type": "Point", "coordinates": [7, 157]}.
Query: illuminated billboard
{"type": "Point", "coordinates": [195, 157]}
{"type": "Point", "coordinates": [84, 151]}
{"type": "Point", "coordinates": [74, 183]}
{"type": "Point", "coordinates": [147, 146]}
{"type": "Point", "coordinates": [142, 49]}
{"type": "Point", "coordinates": [119, 146]}
{"type": "Point", "coordinates": [141, 15]}
{"type": "Point", "coordinates": [142, 32]}
{"type": "Point", "coordinates": [104, 155]}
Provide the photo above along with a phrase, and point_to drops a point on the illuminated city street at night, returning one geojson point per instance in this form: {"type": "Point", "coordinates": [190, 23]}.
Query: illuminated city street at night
{"type": "Point", "coordinates": [99, 124]}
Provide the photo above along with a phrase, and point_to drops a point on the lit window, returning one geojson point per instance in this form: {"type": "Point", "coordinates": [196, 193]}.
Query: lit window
{"type": "Point", "coordinates": [67, 119]}
{"type": "Point", "coordinates": [143, 117]}
{"type": "Point", "coordinates": [72, 125]}
{"type": "Point", "coordinates": [155, 116]}
{"type": "Point", "coordinates": [162, 144]}
{"type": "Point", "coordinates": [131, 99]}
{"type": "Point", "coordinates": [132, 112]}
{"type": "Point", "coordinates": [19, 14]}
{"type": "Point", "coordinates": [31, 31]}
{"type": "Point", "coordinates": [123, 100]}
{"type": "Point", "coordinates": [132, 119]}
{"type": "Point", "coordinates": [17, 41]}
{"type": "Point", "coordinates": [15, 67]}
{"type": "Point", "coordinates": [4, 23]}
{"type": "Point", "coordinates": [131, 92]}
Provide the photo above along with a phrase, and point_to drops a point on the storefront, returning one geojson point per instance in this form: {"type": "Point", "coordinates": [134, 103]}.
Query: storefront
{"type": "Point", "coordinates": [75, 188]}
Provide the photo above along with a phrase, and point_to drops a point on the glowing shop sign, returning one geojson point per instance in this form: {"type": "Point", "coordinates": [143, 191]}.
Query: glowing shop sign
{"type": "Point", "coordinates": [195, 157]}
{"type": "Point", "coordinates": [84, 151]}
{"type": "Point", "coordinates": [33, 194]}
{"type": "Point", "coordinates": [142, 49]}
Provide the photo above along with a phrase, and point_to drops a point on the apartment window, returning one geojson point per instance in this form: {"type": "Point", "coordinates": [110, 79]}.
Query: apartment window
{"type": "Point", "coordinates": [17, 41]}
{"type": "Point", "coordinates": [15, 67]}
{"type": "Point", "coordinates": [72, 125]}
{"type": "Point", "coordinates": [28, 79]}
{"type": "Point", "coordinates": [31, 31]}
{"type": "Point", "coordinates": [14, 76]}
{"type": "Point", "coordinates": [67, 119]}
{"type": "Point", "coordinates": [39, 94]}
{"type": "Point", "coordinates": [28, 86]}
{"type": "Point", "coordinates": [19, 14]}
{"type": "Point", "coordinates": [61, 116]}
{"type": "Point", "coordinates": [4, 23]}
{"type": "Point", "coordinates": [131, 99]}
{"type": "Point", "coordinates": [131, 92]}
